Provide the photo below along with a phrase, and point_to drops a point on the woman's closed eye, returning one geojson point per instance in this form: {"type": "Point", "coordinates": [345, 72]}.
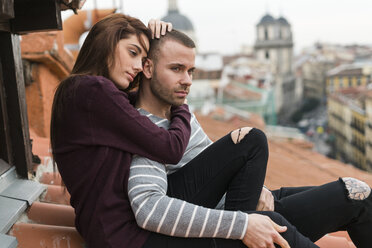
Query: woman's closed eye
{"type": "Point", "coordinates": [133, 52]}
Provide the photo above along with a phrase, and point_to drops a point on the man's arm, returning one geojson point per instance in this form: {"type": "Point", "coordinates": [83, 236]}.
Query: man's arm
{"type": "Point", "coordinates": [157, 212]}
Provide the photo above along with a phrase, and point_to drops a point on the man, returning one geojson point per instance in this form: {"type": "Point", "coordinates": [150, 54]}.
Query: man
{"type": "Point", "coordinates": [179, 200]}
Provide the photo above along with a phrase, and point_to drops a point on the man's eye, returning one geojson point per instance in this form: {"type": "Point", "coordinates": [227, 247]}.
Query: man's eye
{"type": "Point", "coordinates": [176, 69]}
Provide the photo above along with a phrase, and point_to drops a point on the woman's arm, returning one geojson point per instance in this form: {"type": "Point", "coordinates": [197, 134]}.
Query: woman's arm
{"type": "Point", "coordinates": [155, 211]}
{"type": "Point", "coordinates": [116, 123]}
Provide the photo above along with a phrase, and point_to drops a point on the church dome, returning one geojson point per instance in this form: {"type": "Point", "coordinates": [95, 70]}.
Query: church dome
{"type": "Point", "coordinates": [179, 21]}
{"type": "Point", "coordinates": [266, 19]}
{"type": "Point", "coordinates": [283, 21]}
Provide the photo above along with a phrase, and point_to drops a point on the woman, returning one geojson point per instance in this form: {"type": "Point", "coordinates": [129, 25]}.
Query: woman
{"type": "Point", "coordinates": [95, 130]}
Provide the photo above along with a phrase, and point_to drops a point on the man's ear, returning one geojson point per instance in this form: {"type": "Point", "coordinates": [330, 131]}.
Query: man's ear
{"type": "Point", "coordinates": [148, 68]}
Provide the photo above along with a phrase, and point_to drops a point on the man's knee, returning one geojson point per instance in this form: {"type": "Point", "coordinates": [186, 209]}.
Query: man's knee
{"type": "Point", "coordinates": [257, 135]}
{"type": "Point", "coordinates": [356, 189]}
{"type": "Point", "coordinates": [276, 217]}
{"type": "Point", "coordinates": [238, 134]}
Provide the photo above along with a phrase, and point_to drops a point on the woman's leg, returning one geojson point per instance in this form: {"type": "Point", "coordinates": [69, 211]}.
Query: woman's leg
{"type": "Point", "coordinates": [288, 191]}
{"type": "Point", "coordinates": [156, 240]}
{"type": "Point", "coordinates": [345, 204]}
{"type": "Point", "coordinates": [293, 237]}
{"type": "Point", "coordinates": [235, 164]}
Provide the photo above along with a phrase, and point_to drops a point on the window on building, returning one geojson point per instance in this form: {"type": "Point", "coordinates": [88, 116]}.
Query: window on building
{"type": "Point", "coordinates": [345, 82]}
{"type": "Point", "coordinates": [267, 55]}
{"type": "Point", "coordinates": [364, 80]}
{"type": "Point", "coordinates": [266, 34]}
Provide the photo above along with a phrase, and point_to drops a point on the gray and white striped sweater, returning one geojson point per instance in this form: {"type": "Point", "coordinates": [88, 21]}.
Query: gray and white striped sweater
{"type": "Point", "coordinates": [155, 211]}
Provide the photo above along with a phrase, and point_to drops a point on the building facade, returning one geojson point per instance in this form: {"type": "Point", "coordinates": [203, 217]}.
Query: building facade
{"type": "Point", "coordinates": [247, 84]}
{"type": "Point", "coordinates": [274, 44]}
{"type": "Point", "coordinates": [348, 122]}
{"type": "Point", "coordinates": [313, 74]}
{"type": "Point", "coordinates": [368, 128]}
{"type": "Point", "coordinates": [349, 75]}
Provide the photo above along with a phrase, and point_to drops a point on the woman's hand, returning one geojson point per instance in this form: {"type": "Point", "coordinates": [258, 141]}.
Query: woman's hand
{"type": "Point", "coordinates": [266, 201]}
{"type": "Point", "coordinates": [159, 27]}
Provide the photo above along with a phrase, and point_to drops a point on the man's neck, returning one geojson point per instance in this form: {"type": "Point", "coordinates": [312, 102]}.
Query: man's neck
{"type": "Point", "coordinates": [150, 103]}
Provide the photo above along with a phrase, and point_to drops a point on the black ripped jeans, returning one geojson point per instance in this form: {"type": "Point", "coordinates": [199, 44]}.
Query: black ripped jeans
{"type": "Point", "coordinates": [318, 210]}
{"type": "Point", "coordinates": [224, 167]}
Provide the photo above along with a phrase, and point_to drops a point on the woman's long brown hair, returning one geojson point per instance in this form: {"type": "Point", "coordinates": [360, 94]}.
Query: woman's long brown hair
{"type": "Point", "coordinates": [95, 57]}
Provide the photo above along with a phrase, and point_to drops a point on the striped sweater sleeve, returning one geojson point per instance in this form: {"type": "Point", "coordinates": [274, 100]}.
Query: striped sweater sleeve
{"type": "Point", "coordinates": [155, 211]}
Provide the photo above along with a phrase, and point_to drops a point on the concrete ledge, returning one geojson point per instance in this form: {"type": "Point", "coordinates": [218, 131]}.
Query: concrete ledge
{"type": "Point", "coordinates": [8, 241]}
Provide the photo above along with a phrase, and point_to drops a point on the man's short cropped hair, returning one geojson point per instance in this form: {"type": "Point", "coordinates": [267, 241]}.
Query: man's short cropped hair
{"type": "Point", "coordinates": [174, 35]}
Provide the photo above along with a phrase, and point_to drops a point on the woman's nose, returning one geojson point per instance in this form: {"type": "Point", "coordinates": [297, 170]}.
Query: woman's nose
{"type": "Point", "coordinates": [137, 66]}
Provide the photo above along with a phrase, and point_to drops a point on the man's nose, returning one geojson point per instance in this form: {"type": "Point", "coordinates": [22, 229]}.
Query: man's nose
{"type": "Point", "coordinates": [187, 80]}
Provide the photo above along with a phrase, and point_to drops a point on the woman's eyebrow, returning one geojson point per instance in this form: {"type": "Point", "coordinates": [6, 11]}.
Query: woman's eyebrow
{"type": "Point", "coordinates": [137, 47]}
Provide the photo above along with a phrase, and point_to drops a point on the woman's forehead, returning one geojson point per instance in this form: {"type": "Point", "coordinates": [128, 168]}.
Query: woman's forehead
{"type": "Point", "coordinates": [141, 42]}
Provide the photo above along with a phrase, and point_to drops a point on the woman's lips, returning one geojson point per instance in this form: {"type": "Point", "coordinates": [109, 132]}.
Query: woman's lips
{"type": "Point", "coordinates": [131, 76]}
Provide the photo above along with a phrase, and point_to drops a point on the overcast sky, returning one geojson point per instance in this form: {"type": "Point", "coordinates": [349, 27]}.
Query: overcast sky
{"type": "Point", "coordinates": [224, 25]}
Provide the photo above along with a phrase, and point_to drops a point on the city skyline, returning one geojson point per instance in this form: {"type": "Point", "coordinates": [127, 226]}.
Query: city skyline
{"type": "Point", "coordinates": [225, 25]}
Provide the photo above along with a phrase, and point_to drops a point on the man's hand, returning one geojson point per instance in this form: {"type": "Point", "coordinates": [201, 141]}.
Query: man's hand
{"type": "Point", "coordinates": [266, 201]}
{"type": "Point", "coordinates": [262, 232]}
{"type": "Point", "coordinates": [159, 27]}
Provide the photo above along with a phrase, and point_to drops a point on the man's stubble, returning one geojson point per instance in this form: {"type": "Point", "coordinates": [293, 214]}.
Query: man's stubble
{"type": "Point", "coordinates": [164, 94]}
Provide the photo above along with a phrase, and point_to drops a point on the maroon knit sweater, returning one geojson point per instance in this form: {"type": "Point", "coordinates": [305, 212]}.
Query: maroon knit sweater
{"type": "Point", "coordinates": [99, 132]}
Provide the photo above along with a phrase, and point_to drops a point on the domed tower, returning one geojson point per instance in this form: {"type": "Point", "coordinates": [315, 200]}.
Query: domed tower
{"type": "Point", "coordinates": [274, 44]}
{"type": "Point", "coordinates": [179, 21]}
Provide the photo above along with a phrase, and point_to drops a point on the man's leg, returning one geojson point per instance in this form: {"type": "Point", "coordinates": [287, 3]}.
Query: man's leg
{"type": "Point", "coordinates": [345, 204]}
{"type": "Point", "coordinates": [235, 164]}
